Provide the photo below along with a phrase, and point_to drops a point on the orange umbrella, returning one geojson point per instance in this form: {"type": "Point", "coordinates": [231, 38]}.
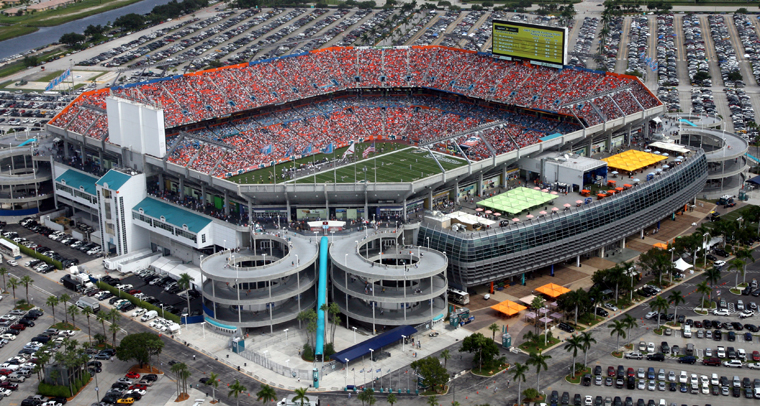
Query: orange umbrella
{"type": "Point", "coordinates": [619, 189]}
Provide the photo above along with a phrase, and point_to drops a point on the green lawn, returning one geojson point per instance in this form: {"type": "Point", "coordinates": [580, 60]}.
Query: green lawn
{"type": "Point", "coordinates": [398, 163]}
{"type": "Point", "coordinates": [50, 76]}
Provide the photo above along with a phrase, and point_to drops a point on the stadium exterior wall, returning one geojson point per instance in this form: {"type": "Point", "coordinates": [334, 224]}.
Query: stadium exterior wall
{"type": "Point", "coordinates": [478, 258]}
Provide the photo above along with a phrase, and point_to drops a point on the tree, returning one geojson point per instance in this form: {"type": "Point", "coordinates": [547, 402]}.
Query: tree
{"type": "Point", "coordinates": [587, 339]}
{"type": "Point", "coordinates": [391, 398]}
{"type": "Point", "coordinates": [72, 311]}
{"type": "Point", "coordinates": [310, 317]}
{"type": "Point", "coordinates": [300, 395]}
{"type": "Point", "coordinates": [102, 317]}
{"type": "Point", "coordinates": [176, 370]}
{"type": "Point", "coordinates": [659, 304]}
{"type": "Point", "coordinates": [64, 301]}
{"type": "Point", "coordinates": [432, 400]}
{"type": "Point", "coordinates": [657, 261]}
{"type": "Point", "coordinates": [367, 396]}
{"type": "Point", "coordinates": [87, 312]}
{"type": "Point", "coordinates": [630, 322]}
{"type": "Point", "coordinates": [703, 289]}
{"type": "Point", "coordinates": [739, 266]}
{"type": "Point", "coordinates": [13, 283]}
{"type": "Point", "coordinates": [52, 301]}
{"type": "Point", "coordinates": [266, 394]}
{"type": "Point", "coordinates": [4, 272]}
{"type": "Point", "coordinates": [618, 327]}
{"type": "Point", "coordinates": [531, 338]}
{"type": "Point", "coordinates": [445, 356]}
{"type": "Point", "coordinates": [746, 256]}
{"type": "Point", "coordinates": [72, 39]}
{"type": "Point", "coordinates": [335, 313]}
{"type": "Point", "coordinates": [213, 382]}
{"type": "Point", "coordinates": [433, 374]}
{"type": "Point", "coordinates": [139, 347]}
{"type": "Point", "coordinates": [185, 283]}
{"type": "Point", "coordinates": [537, 303]}
{"type": "Point", "coordinates": [114, 328]}
{"type": "Point", "coordinates": [485, 350]}
{"type": "Point", "coordinates": [538, 360]}
{"type": "Point", "coordinates": [494, 329]}
{"type": "Point", "coordinates": [676, 298]}
{"type": "Point", "coordinates": [130, 21]}
{"type": "Point", "coordinates": [517, 372]}
{"type": "Point", "coordinates": [237, 388]}
{"type": "Point", "coordinates": [573, 344]}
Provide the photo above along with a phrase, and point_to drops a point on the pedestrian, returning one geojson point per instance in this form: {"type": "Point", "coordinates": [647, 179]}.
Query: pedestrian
{"type": "Point", "coordinates": [193, 357]}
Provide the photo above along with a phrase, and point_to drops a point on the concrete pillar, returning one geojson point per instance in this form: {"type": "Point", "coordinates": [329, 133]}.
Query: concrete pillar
{"type": "Point", "coordinates": [609, 142]}
{"type": "Point", "coordinates": [287, 206]}
{"type": "Point", "coordinates": [100, 158]}
{"type": "Point", "coordinates": [430, 199]}
{"type": "Point", "coordinates": [630, 129]}
{"type": "Point", "coordinates": [226, 202]}
{"type": "Point", "coordinates": [622, 243]}
{"type": "Point", "coordinates": [240, 308]}
{"type": "Point", "coordinates": [66, 149]}
{"type": "Point", "coordinates": [367, 217]}
{"type": "Point", "coordinates": [404, 209]}
{"type": "Point", "coordinates": [642, 233]}
{"type": "Point", "coordinates": [456, 191]}
{"type": "Point", "coordinates": [578, 261]}
{"type": "Point", "coordinates": [590, 146]}
{"type": "Point", "coordinates": [480, 184]}
{"type": "Point", "coordinates": [298, 288]}
{"type": "Point", "coordinates": [213, 294]}
{"type": "Point", "coordinates": [504, 177]}
{"type": "Point", "coordinates": [84, 156]}
{"type": "Point", "coordinates": [204, 197]}
{"type": "Point", "coordinates": [374, 305]}
{"type": "Point", "coordinates": [602, 256]}
{"type": "Point", "coordinates": [161, 182]}
{"type": "Point", "coordinates": [250, 210]}
{"type": "Point", "coordinates": [181, 186]}
{"type": "Point", "coordinates": [271, 307]}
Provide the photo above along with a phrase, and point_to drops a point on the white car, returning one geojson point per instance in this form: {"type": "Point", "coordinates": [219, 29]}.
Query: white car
{"type": "Point", "coordinates": [704, 379]}
{"type": "Point", "coordinates": [719, 263]}
{"type": "Point", "coordinates": [734, 363]}
{"type": "Point", "coordinates": [746, 313]}
{"type": "Point", "coordinates": [708, 354]}
{"type": "Point", "coordinates": [66, 333]}
{"type": "Point", "coordinates": [671, 376]}
{"type": "Point", "coordinates": [714, 379]}
{"type": "Point", "coordinates": [721, 353]}
{"type": "Point", "coordinates": [683, 377]}
{"type": "Point", "coordinates": [611, 307]}
{"type": "Point", "coordinates": [588, 401]}
{"type": "Point", "coordinates": [705, 389]}
{"type": "Point", "coordinates": [633, 355]}
{"type": "Point", "coordinates": [138, 312]}
{"type": "Point", "coordinates": [693, 379]}
{"type": "Point", "coordinates": [651, 315]}
{"type": "Point", "coordinates": [5, 392]}
{"type": "Point", "coordinates": [753, 365]}
{"type": "Point", "coordinates": [721, 312]}
{"type": "Point", "coordinates": [141, 392]}
{"type": "Point", "coordinates": [8, 336]}
{"type": "Point", "coordinates": [650, 347]}
{"type": "Point", "coordinates": [12, 262]}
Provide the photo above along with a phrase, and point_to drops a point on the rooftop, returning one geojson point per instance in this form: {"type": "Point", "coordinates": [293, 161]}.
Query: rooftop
{"type": "Point", "coordinates": [113, 180]}
{"type": "Point", "coordinates": [172, 214]}
{"type": "Point", "coordinates": [78, 180]}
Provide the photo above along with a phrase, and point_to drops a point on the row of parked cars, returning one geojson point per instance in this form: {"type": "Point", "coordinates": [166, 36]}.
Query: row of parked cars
{"type": "Point", "coordinates": [132, 387]}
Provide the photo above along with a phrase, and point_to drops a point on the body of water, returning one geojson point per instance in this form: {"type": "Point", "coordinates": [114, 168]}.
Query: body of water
{"type": "Point", "coordinates": [47, 35]}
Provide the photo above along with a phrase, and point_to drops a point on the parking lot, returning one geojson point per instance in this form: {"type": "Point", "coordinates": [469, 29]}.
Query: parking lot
{"type": "Point", "coordinates": [44, 241]}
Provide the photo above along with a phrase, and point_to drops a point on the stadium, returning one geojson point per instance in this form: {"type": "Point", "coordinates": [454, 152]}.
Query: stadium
{"type": "Point", "coordinates": [185, 173]}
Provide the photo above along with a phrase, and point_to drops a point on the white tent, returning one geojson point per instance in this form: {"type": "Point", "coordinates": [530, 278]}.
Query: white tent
{"type": "Point", "coordinates": [682, 265]}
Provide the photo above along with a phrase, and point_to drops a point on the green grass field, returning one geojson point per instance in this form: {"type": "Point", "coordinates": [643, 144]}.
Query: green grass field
{"type": "Point", "coordinates": [407, 165]}
{"type": "Point", "coordinates": [393, 165]}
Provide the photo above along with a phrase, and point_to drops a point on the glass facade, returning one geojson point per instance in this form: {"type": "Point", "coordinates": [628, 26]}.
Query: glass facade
{"type": "Point", "coordinates": [481, 257]}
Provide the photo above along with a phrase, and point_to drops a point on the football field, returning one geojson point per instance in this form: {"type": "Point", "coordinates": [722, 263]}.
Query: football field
{"type": "Point", "coordinates": [407, 165]}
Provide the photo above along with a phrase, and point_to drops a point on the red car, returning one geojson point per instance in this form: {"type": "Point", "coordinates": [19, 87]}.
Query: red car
{"type": "Point", "coordinates": [631, 372]}
{"type": "Point", "coordinates": [133, 375]}
{"type": "Point", "coordinates": [5, 371]}
{"type": "Point", "coordinates": [138, 386]}
{"type": "Point", "coordinates": [611, 371]}
{"type": "Point", "coordinates": [19, 327]}
{"type": "Point", "coordinates": [755, 356]}
{"type": "Point", "coordinates": [8, 385]}
{"type": "Point", "coordinates": [134, 291]}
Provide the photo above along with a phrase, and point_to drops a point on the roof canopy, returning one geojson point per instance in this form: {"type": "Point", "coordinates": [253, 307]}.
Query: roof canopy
{"type": "Point", "coordinates": [682, 265]}
{"type": "Point", "coordinates": [508, 307]}
{"type": "Point", "coordinates": [661, 246]}
{"type": "Point", "coordinates": [375, 343]}
{"type": "Point", "coordinates": [517, 200]}
{"type": "Point", "coordinates": [552, 290]}
{"type": "Point", "coordinates": [632, 160]}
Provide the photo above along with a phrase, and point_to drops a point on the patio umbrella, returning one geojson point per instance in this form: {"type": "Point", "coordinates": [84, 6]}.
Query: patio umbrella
{"type": "Point", "coordinates": [577, 201]}
{"type": "Point", "coordinates": [657, 152]}
{"type": "Point", "coordinates": [614, 172]}
{"type": "Point", "coordinates": [497, 214]}
{"type": "Point", "coordinates": [647, 150]}
{"type": "Point", "coordinates": [542, 213]}
{"type": "Point", "coordinates": [488, 212]}
{"type": "Point", "coordinates": [536, 188]}
{"type": "Point", "coordinates": [556, 209]}
{"type": "Point", "coordinates": [665, 166]}
{"type": "Point", "coordinates": [543, 310]}
{"type": "Point", "coordinates": [659, 169]}
{"type": "Point", "coordinates": [553, 304]}
{"type": "Point", "coordinates": [530, 216]}
{"type": "Point", "coordinates": [544, 320]}
{"type": "Point", "coordinates": [554, 192]}
{"type": "Point", "coordinates": [515, 220]}
{"type": "Point", "coordinates": [636, 180]}
{"type": "Point", "coordinates": [619, 189]}
{"type": "Point", "coordinates": [665, 154]}
{"type": "Point", "coordinates": [556, 316]}
{"type": "Point", "coordinates": [479, 209]}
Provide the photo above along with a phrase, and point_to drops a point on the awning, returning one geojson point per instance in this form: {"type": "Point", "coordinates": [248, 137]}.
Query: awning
{"type": "Point", "coordinates": [755, 180]}
{"type": "Point", "coordinates": [528, 300]}
{"type": "Point", "coordinates": [661, 246]}
{"type": "Point", "coordinates": [552, 290]}
{"type": "Point", "coordinates": [682, 265]}
{"type": "Point", "coordinates": [508, 307]}
{"type": "Point", "coordinates": [376, 343]}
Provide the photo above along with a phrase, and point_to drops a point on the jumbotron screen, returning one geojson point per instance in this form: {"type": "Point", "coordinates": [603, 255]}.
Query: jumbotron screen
{"type": "Point", "coordinates": [522, 41]}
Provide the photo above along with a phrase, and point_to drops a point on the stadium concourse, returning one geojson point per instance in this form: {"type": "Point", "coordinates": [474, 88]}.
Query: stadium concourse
{"type": "Point", "coordinates": [572, 97]}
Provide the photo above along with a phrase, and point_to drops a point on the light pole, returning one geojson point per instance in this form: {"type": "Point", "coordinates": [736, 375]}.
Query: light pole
{"type": "Point", "coordinates": [185, 316]}
{"type": "Point", "coordinates": [372, 365]}
{"type": "Point", "coordinates": [705, 247]}
{"type": "Point", "coordinates": [403, 341]}
{"type": "Point", "coordinates": [298, 262]}
{"type": "Point", "coordinates": [354, 328]}
{"type": "Point", "coordinates": [286, 336]}
{"type": "Point", "coordinates": [672, 251]}
{"type": "Point", "coordinates": [428, 241]}
{"type": "Point", "coordinates": [346, 369]}
{"type": "Point", "coordinates": [97, 389]}
{"type": "Point", "coordinates": [265, 260]}
{"type": "Point", "coordinates": [332, 236]}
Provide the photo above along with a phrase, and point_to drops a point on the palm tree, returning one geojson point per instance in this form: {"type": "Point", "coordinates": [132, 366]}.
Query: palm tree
{"type": "Point", "coordinates": [301, 395]}
{"type": "Point", "coordinates": [531, 338]}
{"type": "Point", "coordinates": [712, 275]}
{"type": "Point", "coordinates": [703, 289]}
{"type": "Point", "coordinates": [630, 322]}
{"type": "Point", "coordinates": [432, 400]}
{"type": "Point", "coordinates": [587, 340]}
{"type": "Point", "coordinates": [539, 361]}
{"type": "Point", "coordinates": [236, 389]}
{"type": "Point", "coordinates": [518, 374]}
{"type": "Point", "coordinates": [494, 329]}
{"type": "Point", "coordinates": [176, 368]}
{"type": "Point", "coordinates": [659, 304]}
{"type": "Point", "coordinates": [102, 317]}
{"type": "Point", "coordinates": [266, 394]}
{"type": "Point", "coordinates": [445, 356]}
{"type": "Point", "coordinates": [367, 396]}
{"type": "Point", "coordinates": [52, 301]}
{"type": "Point", "coordinates": [64, 300]}
{"type": "Point", "coordinates": [746, 256]}
{"type": "Point", "coordinates": [676, 297]}
{"type": "Point", "coordinates": [738, 265]}
{"type": "Point", "coordinates": [27, 280]}
{"type": "Point", "coordinates": [213, 382]}
{"type": "Point", "coordinates": [185, 283]}
{"type": "Point", "coordinates": [87, 312]}
{"type": "Point", "coordinates": [4, 272]}
{"type": "Point", "coordinates": [574, 344]}
{"type": "Point", "coordinates": [13, 283]}
{"type": "Point", "coordinates": [114, 328]}
{"type": "Point", "coordinates": [73, 310]}
{"type": "Point", "coordinates": [391, 398]}
{"type": "Point", "coordinates": [618, 327]}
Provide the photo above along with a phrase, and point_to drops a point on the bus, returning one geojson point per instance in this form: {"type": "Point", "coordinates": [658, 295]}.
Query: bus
{"type": "Point", "coordinates": [10, 249]}
{"type": "Point", "coordinates": [459, 297]}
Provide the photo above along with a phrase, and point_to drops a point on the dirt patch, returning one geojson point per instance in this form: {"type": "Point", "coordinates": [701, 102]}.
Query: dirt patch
{"type": "Point", "coordinates": [182, 397]}
{"type": "Point", "coordinates": [73, 13]}
{"type": "Point", "coordinates": [145, 370]}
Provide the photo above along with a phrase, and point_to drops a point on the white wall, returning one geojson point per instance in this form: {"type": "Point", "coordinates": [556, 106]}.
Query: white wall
{"type": "Point", "coordinates": [136, 126]}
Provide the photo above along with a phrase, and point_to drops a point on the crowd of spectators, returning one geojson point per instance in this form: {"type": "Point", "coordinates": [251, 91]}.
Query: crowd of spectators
{"type": "Point", "coordinates": [205, 95]}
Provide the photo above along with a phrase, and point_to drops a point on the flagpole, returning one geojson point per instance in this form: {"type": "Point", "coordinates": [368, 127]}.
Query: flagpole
{"type": "Point", "coordinates": [335, 167]}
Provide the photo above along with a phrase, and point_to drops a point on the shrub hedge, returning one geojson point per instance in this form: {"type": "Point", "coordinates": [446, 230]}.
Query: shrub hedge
{"type": "Point", "coordinates": [137, 302]}
{"type": "Point", "coordinates": [34, 254]}
{"type": "Point", "coordinates": [46, 389]}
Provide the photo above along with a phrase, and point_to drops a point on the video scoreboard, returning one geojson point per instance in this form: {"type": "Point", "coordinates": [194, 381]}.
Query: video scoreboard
{"type": "Point", "coordinates": [537, 43]}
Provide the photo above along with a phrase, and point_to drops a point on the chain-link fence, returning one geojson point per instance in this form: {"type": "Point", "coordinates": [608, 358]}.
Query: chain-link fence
{"type": "Point", "coordinates": [286, 370]}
